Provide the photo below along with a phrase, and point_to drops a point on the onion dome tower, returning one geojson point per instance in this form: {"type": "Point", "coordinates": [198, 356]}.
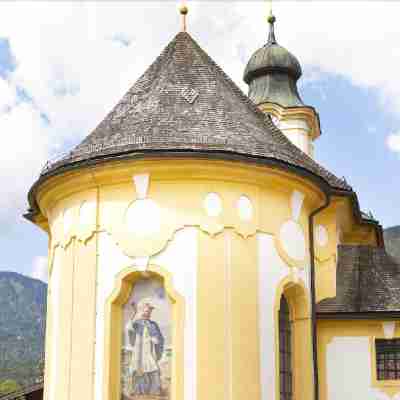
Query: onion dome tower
{"type": "Point", "coordinates": [272, 74]}
{"type": "Point", "coordinates": [181, 243]}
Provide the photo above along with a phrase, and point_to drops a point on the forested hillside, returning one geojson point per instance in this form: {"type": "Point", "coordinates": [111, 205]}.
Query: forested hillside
{"type": "Point", "coordinates": [22, 327]}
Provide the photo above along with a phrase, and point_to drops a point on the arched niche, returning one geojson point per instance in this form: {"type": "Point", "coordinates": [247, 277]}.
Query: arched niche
{"type": "Point", "coordinates": [121, 323]}
{"type": "Point", "coordinates": [298, 303]}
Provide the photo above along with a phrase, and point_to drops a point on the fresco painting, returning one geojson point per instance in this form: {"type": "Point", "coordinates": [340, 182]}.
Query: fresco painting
{"type": "Point", "coordinates": [146, 350]}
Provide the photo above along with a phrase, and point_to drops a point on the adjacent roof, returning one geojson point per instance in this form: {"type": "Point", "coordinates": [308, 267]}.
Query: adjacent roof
{"type": "Point", "coordinates": [367, 280]}
{"type": "Point", "coordinates": [185, 103]}
{"type": "Point", "coordinates": [34, 392]}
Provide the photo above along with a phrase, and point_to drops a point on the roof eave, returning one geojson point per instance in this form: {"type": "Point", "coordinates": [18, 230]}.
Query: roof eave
{"type": "Point", "coordinates": [365, 315]}
{"type": "Point", "coordinates": [33, 213]}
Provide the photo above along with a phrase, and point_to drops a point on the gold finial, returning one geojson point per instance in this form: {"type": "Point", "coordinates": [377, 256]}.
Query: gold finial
{"type": "Point", "coordinates": [183, 9]}
{"type": "Point", "coordinates": [271, 17]}
{"type": "Point", "coordinates": [271, 20]}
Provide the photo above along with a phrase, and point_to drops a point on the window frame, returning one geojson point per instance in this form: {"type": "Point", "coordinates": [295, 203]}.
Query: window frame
{"type": "Point", "coordinates": [285, 330]}
{"type": "Point", "coordinates": [387, 351]}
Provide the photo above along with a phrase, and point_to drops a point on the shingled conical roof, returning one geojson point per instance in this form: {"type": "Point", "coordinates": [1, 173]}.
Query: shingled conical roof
{"type": "Point", "coordinates": [184, 103]}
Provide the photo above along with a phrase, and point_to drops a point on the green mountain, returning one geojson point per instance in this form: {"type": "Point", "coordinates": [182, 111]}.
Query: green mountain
{"type": "Point", "coordinates": [22, 327]}
{"type": "Point", "coordinates": [392, 241]}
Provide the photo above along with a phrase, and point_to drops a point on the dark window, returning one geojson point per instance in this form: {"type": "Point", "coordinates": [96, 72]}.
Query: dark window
{"type": "Point", "coordinates": [285, 352]}
{"type": "Point", "coordinates": [387, 359]}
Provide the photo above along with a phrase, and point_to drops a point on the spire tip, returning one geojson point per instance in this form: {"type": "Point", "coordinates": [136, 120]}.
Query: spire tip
{"type": "Point", "coordinates": [271, 20]}
{"type": "Point", "coordinates": [183, 10]}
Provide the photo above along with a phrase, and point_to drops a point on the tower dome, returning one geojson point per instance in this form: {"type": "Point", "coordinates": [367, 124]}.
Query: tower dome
{"type": "Point", "coordinates": [272, 58]}
{"type": "Point", "coordinates": [272, 73]}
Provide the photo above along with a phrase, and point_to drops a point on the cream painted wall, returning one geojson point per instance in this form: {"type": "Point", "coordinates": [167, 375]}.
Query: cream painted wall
{"type": "Point", "coordinates": [180, 259]}
{"type": "Point", "coordinates": [271, 270]}
{"type": "Point", "coordinates": [349, 374]}
{"type": "Point", "coordinates": [298, 132]}
{"type": "Point", "coordinates": [111, 261]}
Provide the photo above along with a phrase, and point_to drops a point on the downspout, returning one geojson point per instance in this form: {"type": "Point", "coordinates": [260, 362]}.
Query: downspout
{"type": "Point", "coordinates": [313, 296]}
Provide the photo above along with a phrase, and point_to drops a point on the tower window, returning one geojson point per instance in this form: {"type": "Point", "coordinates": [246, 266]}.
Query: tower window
{"type": "Point", "coordinates": [387, 359]}
{"type": "Point", "coordinates": [285, 352]}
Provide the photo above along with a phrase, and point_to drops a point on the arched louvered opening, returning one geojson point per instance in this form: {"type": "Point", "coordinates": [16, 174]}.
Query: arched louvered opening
{"type": "Point", "coordinates": [285, 351]}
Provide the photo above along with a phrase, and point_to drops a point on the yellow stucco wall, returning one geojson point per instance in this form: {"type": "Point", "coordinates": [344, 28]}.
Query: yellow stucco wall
{"type": "Point", "coordinates": [81, 205]}
{"type": "Point", "coordinates": [340, 227]}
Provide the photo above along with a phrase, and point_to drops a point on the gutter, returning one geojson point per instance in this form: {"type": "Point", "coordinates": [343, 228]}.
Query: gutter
{"type": "Point", "coordinates": [313, 296]}
{"type": "Point", "coordinates": [360, 315]}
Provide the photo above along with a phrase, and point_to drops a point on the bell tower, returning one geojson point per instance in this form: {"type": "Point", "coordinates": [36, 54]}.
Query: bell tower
{"type": "Point", "coordinates": [272, 74]}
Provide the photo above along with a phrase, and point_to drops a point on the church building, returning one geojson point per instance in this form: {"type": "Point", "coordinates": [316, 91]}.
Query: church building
{"type": "Point", "coordinates": [197, 251]}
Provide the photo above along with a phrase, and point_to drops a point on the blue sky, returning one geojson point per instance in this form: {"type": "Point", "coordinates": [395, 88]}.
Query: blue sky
{"type": "Point", "coordinates": [7, 62]}
{"type": "Point", "coordinates": [20, 241]}
{"type": "Point", "coordinates": [352, 143]}
{"type": "Point", "coordinates": [63, 72]}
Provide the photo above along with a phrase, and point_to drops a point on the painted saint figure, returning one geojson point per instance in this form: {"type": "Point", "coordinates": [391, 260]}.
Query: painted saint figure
{"type": "Point", "coordinates": [147, 343]}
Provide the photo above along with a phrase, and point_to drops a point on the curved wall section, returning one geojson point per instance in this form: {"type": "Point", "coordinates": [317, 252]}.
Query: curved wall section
{"type": "Point", "coordinates": [223, 270]}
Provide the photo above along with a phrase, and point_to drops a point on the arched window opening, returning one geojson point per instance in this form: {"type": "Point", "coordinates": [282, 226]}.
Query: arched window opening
{"type": "Point", "coordinates": [285, 351]}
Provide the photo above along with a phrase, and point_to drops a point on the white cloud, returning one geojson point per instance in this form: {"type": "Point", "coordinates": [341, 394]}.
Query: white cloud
{"type": "Point", "coordinates": [8, 95]}
{"type": "Point", "coordinates": [75, 60]}
{"type": "Point", "coordinates": [393, 142]}
{"type": "Point", "coordinates": [39, 268]}
{"type": "Point", "coordinates": [25, 143]}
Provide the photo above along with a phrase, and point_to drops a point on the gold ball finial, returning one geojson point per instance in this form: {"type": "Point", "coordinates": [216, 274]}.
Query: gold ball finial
{"type": "Point", "coordinates": [271, 17]}
{"type": "Point", "coordinates": [183, 9]}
